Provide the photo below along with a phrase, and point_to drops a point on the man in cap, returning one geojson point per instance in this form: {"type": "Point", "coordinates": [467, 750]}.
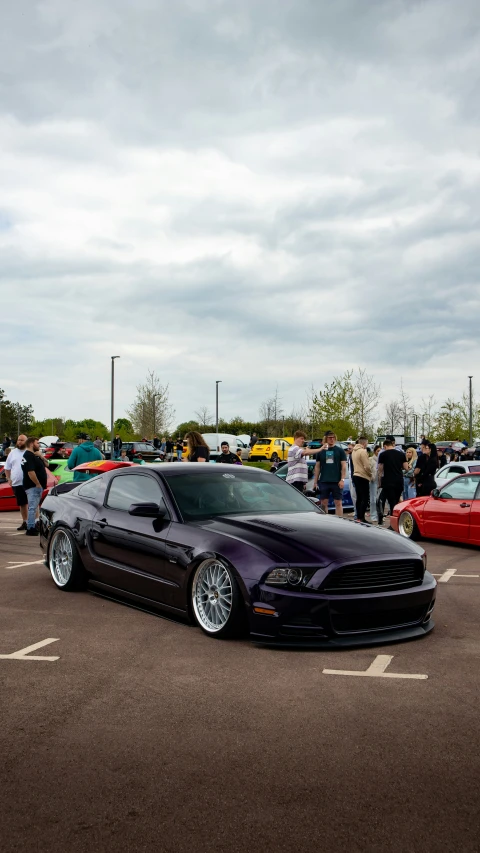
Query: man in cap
{"type": "Point", "coordinates": [84, 452]}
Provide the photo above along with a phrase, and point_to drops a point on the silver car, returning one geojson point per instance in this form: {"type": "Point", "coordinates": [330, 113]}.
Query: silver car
{"type": "Point", "coordinates": [448, 472]}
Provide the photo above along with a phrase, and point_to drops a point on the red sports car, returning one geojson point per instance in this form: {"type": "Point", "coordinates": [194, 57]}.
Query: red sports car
{"type": "Point", "coordinates": [7, 498]}
{"type": "Point", "coordinates": [452, 513]}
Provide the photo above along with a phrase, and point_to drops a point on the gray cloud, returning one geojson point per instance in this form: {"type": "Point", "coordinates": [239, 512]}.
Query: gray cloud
{"type": "Point", "coordinates": [206, 187]}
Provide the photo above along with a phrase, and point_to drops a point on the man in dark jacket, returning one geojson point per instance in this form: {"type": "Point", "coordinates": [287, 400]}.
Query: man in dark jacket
{"type": "Point", "coordinates": [117, 446]}
{"type": "Point", "coordinates": [84, 452]}
{"type": "Point", "coordinates": [225, 455]}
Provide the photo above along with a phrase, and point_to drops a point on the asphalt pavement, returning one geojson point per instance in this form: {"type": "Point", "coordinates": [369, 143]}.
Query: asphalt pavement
{"type": "Point", "coordinates": [145, 735]}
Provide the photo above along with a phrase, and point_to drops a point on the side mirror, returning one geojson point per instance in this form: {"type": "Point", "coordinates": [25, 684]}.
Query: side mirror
{"type": "Point", "coordinates": [147, 510]}
{"type": "Point", "coordinates": [435, 493]}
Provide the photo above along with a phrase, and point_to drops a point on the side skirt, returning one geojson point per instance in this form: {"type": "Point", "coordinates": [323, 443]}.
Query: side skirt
{"type": "Point", "coordinates": [139, 602]}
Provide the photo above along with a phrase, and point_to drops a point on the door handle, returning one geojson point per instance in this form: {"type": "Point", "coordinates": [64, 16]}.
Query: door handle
{"type": "Point", "coordinates": [464, 505]}
{"type": "Point", "coordinates": [103, 523]}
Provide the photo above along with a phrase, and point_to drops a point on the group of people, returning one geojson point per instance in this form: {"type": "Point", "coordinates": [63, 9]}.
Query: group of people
{"type": "Point", "coordinates": [26, 471]}
{"type": "Point", "coordinates": [388, 474]}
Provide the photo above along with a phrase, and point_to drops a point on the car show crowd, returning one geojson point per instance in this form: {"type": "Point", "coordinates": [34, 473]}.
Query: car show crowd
{"type": "Point", "coordinates": [376, 476]}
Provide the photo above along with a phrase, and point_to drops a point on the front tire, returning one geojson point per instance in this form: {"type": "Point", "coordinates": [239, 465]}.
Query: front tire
{"type": "Point", "coordinates": [216, 600]}
{"type": "Point", "coordinates": [64, 562]}
{"type": "Point", "coordinates": [407, 526]}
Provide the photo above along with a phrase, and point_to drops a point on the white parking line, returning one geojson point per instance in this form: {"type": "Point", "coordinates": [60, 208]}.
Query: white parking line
{"type": "Point", "coordinates": [375, 670]}
{"type": "Point", "coordinates": [23, 654]}
{"type": "Point", "coordinates": [13, 564]}
{"type": "Point", "coordinates": [444, 577]}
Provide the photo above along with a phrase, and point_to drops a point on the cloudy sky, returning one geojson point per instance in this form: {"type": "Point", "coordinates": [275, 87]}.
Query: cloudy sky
{"type": "Point", "coordinates": [261, 191]}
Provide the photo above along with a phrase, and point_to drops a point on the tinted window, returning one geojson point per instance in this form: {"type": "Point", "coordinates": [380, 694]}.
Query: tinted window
{"type": "Point", "coordinates": [92, 488]}
{"type": "Point", "coordinates": [462, 489]}
{"type": "Point", "coordinates": [133, 489]}
{"type": "Point", "coordinates": [475, 468]}
{"type": "Point", "coordinates": [210, 493]}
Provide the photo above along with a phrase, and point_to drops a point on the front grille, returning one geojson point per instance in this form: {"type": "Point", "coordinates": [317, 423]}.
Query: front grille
{"type": "Point", "coordinates": [374, 577]}
{"type": "Point", "coordinates": [377, 620]}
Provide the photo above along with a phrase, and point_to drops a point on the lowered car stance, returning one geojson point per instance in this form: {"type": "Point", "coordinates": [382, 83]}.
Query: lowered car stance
{"type": "Point", "coordinates": [451, 513]}
{"type": "Point", "coordinates": [236, 551]}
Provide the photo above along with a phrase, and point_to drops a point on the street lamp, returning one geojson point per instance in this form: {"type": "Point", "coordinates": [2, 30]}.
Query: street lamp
{"type": "Point", "coordinates": [470, 414]}
{"type": "Point", "coordinates": [217, 383]}
{"type": "Point", "coordinates": [112, 421]}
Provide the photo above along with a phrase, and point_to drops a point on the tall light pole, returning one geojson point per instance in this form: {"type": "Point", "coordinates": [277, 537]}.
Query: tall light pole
{"type": "Point", "coordinates": [217, 383]}
{"type": "Point", "coordinates": [470, 413]}
{"type": "Point", "coordinates": [112, 419]}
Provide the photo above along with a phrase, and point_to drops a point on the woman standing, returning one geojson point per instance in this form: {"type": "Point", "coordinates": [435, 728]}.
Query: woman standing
{"type": "Point", "coordinates": [198, 450]}
{"type": "Point", "coordinates": [425, 469]}
{"type": "Point", "coordinates": [408, 477]}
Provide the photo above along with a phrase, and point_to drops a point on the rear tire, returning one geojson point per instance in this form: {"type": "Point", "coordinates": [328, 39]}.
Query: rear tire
{"type": "Point", "coordinates": [216, 600]}
{"type": "Point", "coordinates": [274, 457]}
{"type": "Point", "coordinates": [65, 565]}
{"type": "Point", "coordinates": [407, 526]}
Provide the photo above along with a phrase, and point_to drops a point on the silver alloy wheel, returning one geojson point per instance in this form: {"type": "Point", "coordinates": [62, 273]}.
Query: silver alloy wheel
{"type": "Point", "coordinates": [406, 525]}
{"type": "Point", "coordinates": [61, 558]}
{"type": "Point", "coordinates": [212, 595]}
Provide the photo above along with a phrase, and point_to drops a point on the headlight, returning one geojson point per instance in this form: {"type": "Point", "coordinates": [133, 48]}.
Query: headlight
{"type": "Point", "coordinates": [285, 577]}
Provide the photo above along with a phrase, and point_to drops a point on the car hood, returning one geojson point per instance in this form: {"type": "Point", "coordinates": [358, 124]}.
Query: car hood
{"type": "Point", "coordinates": [311, 538]}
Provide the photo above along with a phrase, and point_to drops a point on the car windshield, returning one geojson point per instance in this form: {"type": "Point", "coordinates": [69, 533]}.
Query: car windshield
{"type": "Point", "coordinates": [214, 493]}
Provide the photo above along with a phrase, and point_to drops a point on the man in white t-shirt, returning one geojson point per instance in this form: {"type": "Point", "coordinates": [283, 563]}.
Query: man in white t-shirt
{"type": "Point", "coordinates": [297, 474]}
{"type": "Point", "coordinates": [14, 474]}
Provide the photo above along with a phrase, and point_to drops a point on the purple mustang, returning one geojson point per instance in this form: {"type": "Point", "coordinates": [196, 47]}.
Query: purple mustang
{"type": "Point", "coordinates": [236, 549]}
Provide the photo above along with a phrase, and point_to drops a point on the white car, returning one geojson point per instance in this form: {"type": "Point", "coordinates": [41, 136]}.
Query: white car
{"type": "Point", "coordinates": [448, 472]}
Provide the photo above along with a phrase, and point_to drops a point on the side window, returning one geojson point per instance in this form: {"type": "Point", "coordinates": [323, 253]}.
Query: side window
{"type": "Point", "coordinates": [92, 488]}
{"type": "Point", "coordinates": [462, 489]}
{"type": "Point", "coordinates": [442, 475]}
{"type": "Point", "coordinates": [277, 442]}
{"type": "Point", "coordinates": [133, 489]}
{"type": "Point", "coordinates": [456, 469]}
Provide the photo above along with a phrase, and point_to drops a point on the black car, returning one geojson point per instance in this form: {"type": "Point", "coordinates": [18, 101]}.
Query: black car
{"type": "Point", "coordinates": [146, 448]}
{"type": "Point", "coordinates": [236, 550]}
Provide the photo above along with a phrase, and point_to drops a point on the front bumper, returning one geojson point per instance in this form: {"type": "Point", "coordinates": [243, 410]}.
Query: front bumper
{"type": "Point", "coordinates": [322, 620]}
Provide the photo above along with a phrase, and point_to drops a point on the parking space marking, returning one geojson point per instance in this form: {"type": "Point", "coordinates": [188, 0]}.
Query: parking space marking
{"type": "Point", "coordinates": [23, 654]}
{"type": "Point", "coordinates": [444, 577]}
{"type": "Point", "coordinates": [375, 670]}
{"type": "Point", "coordinates": [13, 564]}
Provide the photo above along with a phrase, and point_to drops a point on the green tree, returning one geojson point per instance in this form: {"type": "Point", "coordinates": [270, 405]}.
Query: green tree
{"type": "Point", "coordinates": [451, 421]}
{"type": "Point", "coordinates": [187, 426]}
{"type": "Point", "coordinates": [335, 407]}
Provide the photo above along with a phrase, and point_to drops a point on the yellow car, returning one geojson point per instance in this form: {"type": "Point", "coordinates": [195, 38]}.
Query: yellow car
{"type": "Point", "coordinates": [271, 449]}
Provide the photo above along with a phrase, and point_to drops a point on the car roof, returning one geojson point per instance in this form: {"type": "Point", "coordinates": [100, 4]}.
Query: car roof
{"type": "Point", "coordinates": [187, 469]}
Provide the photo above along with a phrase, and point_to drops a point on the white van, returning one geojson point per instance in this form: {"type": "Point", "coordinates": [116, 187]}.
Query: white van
{"type": "Point", "coordinates": [215, 439]}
